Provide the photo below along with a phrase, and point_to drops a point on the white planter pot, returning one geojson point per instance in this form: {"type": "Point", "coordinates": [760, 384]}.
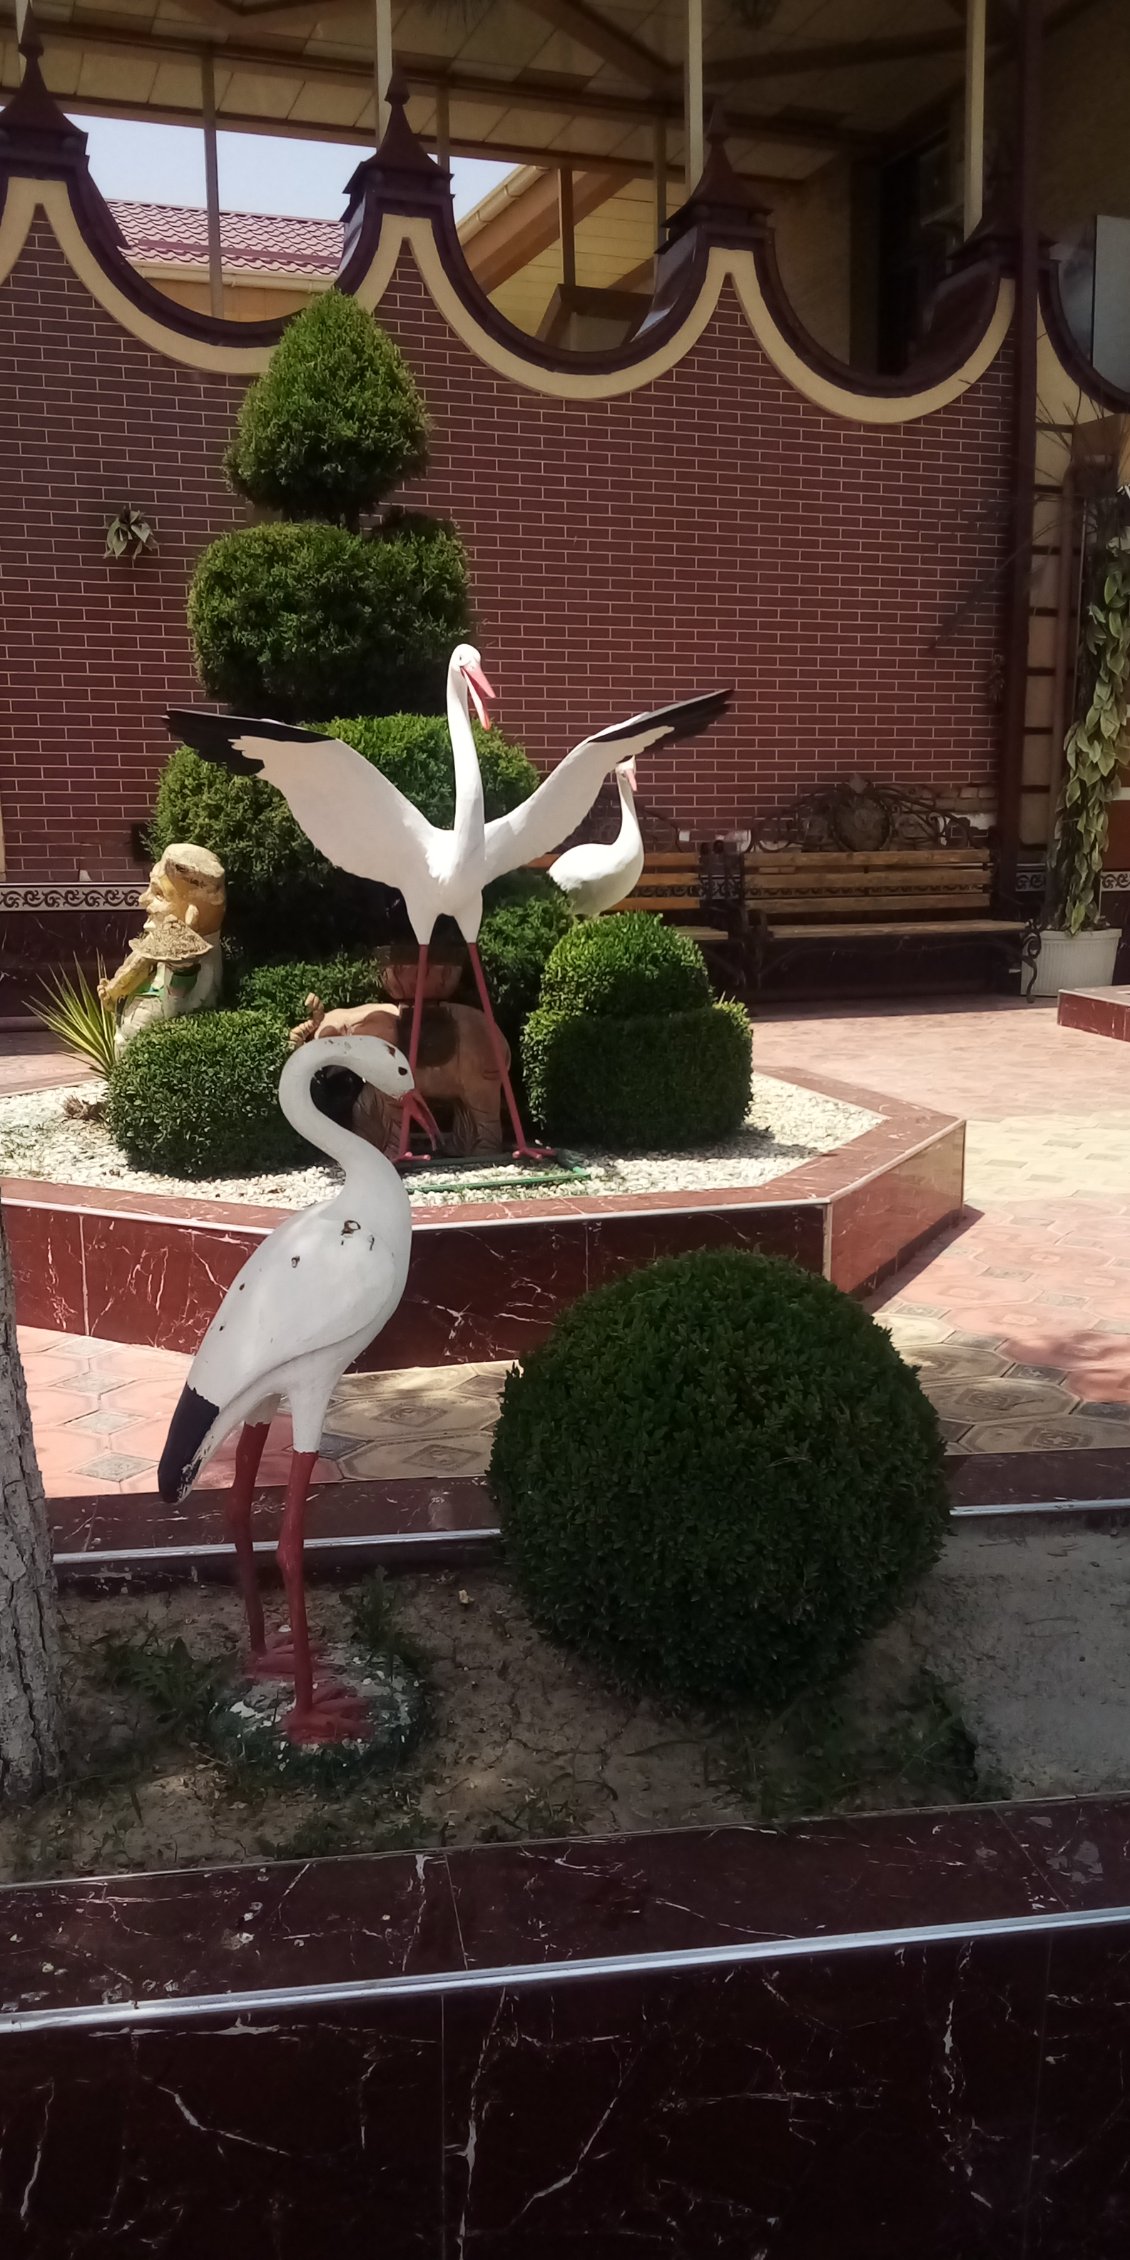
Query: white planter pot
{"type": "Point", "coordinates": [1076, 961]}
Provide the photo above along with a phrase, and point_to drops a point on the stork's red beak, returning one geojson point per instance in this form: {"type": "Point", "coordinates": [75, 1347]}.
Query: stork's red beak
{"type": "Point", "coordinates": [480, 690]}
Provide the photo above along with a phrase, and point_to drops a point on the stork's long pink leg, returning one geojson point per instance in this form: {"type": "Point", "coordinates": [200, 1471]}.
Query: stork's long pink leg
{"type": "Point", "coordinates": [523, 1146]}
{"type": "Point", "coordinates": [321, 1713]}
{"type": "Point", "coordinates": [407, 1117]}
{"type": "Point", "coordinates": [237, 1514]}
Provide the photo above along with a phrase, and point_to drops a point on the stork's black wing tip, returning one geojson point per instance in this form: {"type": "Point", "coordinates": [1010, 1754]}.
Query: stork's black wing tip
{"type": "Point", "coordinates": [214, 736]}
{"type": "Point", "coordinates": [193, 1416]}
{"type": "Point", "coordinates": [684, 719]}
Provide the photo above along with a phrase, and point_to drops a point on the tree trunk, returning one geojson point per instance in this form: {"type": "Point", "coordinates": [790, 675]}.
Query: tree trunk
{"type": "Point", "coordinates": [29, 1638]}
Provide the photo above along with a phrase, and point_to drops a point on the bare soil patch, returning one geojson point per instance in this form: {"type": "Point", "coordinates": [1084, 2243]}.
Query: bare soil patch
{"type": "Point", "coordinates": [520, 1740]}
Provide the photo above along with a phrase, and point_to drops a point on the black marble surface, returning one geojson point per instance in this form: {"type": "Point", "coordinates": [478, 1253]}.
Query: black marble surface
{"type": "Point", "coordinates": [529, 2075]}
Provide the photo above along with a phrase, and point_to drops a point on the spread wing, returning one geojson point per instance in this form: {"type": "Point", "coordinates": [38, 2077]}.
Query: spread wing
{"type": "Point", "coordinates": [567, 794]}
{"type": "Point", "coordinates": [349, 810]}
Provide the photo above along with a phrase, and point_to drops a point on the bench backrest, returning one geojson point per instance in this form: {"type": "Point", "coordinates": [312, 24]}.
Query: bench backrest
{"type": "Point", "coordinates": [885, 882]}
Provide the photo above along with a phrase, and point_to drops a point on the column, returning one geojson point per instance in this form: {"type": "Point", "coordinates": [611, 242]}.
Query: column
{"type": "Point", "coordinates": [693, 97]}
{"type": "Point", "coordinates": [382, 63]}
{"type": "Point", "coordinates": [973, 158]}
{"type": "Point", "coordinates": [212, 183]}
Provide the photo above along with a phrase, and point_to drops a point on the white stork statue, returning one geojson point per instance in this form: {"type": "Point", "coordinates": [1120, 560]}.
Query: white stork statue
{"type": "Point", "coordinates": [308, 1301]}
{"type": "Point", "coordinates": [361, 821]}
{"type": "Point", "coordinates": [597, 875]}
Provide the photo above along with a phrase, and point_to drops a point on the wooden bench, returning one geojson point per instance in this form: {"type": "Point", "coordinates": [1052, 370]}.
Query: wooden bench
{"type": "Point", "coordinates": [930, 890]}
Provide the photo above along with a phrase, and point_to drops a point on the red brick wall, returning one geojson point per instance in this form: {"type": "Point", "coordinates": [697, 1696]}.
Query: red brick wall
{"type": "Point", "coordinates": [711, 527]}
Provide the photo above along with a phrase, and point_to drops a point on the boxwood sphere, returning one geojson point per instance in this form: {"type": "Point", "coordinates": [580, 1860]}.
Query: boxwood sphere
{"type": "Point", "coordinates": [717, 1476]}
{"type": "Point", "coordinates": [198, 1096]}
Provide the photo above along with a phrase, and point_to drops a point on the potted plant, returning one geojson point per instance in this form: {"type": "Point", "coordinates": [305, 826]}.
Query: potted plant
{"type": "Point", "coordinates": [1078, 947]}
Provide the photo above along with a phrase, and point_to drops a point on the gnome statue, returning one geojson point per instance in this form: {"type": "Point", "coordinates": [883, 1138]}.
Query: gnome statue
{"type": "Point", "coordinates": [174, 965]}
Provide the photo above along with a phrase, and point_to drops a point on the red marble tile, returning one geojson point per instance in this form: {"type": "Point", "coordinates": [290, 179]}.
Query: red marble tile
{"type": "Point", "coordinates": [45, 1247]}
{"type": "Point", "coordinates": [1098, 1012]}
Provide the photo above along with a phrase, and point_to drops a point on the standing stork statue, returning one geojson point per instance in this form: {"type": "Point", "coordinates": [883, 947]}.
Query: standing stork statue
{"type": "Point", "coordinates": [597, 875]}
{"type": "Point", "coordinates": [362, 822]}
{"type": "Point", "coordinates": [305, 1304]}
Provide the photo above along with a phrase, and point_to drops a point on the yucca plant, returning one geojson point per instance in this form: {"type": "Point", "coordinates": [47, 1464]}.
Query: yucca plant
{"type": "Point", "coordinates": [74, 1012]}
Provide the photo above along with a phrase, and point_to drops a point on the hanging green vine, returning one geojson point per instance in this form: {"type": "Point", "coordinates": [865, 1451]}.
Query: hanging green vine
{"type": "Point", "coordinates": [1096, 742]}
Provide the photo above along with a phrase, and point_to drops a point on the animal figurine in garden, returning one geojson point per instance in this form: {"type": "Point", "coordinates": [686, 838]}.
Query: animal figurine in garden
{"type": "Point", "coordinates": [365, 825]}
{"type": "Point", "coordinates": [174, 965]}
{"type": "Point", "coordinates": [456, 1069]}
{"type": "Point", "coordinates": [306, 1303]}
{"type": "Point", "coordinates": [598, 874]}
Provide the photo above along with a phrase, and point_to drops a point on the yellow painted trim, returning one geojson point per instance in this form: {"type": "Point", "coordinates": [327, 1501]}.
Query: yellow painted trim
{"type": "Point", "coordinates": [25, 197]}
{"type": "Point", "coordinates": [866, 408]}
{"type": "Point", "coordinates": [738, 266]}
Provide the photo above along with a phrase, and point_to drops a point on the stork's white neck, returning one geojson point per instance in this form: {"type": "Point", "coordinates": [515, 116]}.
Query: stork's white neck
{"type": "Point", "coordinates": [366, 1168]}
{"type": "Point", "coordinates": [468, 827]}
{"type": "Point", "coordinates": [629, 822]}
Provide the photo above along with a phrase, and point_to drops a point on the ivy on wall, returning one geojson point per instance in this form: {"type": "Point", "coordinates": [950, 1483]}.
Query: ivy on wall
{"type": "Point", "coordinates": [1096, 742]}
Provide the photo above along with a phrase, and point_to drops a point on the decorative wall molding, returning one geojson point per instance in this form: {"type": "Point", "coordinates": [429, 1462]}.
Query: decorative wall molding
{"type": "Point", "coordinates": [400, 201]}
{"type": "Point", "coordinates": [50, 895]}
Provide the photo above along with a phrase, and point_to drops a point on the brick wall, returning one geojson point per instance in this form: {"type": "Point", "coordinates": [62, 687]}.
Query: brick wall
{"type": "Point", "coordinates": [711, 527]}
{"type": "Point", "coordinates": [91, 652]}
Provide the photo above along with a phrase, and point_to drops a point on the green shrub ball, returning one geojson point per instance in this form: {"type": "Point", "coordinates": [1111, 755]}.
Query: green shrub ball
{"type": "Point", "coordinates": [282, 985]}
{"type": "Point", "coordinates": [617, 967]}
{"type": "Point", "coordinates": [198, 1097]}
{"type": "Point", "coordinates": [717, 1478]}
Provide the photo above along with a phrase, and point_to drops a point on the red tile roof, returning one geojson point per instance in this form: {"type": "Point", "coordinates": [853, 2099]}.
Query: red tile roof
{"type": "Point", "coordinates": [251, 242]}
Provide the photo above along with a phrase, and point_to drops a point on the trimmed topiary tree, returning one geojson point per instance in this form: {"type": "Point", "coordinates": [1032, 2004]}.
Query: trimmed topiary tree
{"type": "Point", "coordinates": [300, 619]}
{"type": "Point", "coordinates": [198, 1097]}
{"type": "Point", "coordinates": [717, 1477]}
{"type": "Point", "coordinates": [627, 1048]}
{"type": "Point", "coordinates": [335, 420]}
{"type": "Point", "coordinates": [279, 887]}
{"type": "Point", "coordinates": [525, 920]}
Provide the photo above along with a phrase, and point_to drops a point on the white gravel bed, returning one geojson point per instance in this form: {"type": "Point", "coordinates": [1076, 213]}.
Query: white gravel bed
{"type": "Point", "coordinates": [786, 1126]}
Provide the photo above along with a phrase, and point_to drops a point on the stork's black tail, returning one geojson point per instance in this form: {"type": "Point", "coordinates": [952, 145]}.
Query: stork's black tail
{"type": "Point", "coordinates": [192, 1418]}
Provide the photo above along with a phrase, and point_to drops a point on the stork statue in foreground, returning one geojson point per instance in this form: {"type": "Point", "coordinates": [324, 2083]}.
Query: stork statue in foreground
{"type": "Point", "coordinates": [308, 1301]}
{"type": "Point", "coordinates": [361, 821]}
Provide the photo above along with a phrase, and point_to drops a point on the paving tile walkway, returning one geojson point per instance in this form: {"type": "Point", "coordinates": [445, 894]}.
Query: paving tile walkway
{"type": "Point", "coordinates": [100, 1412]}
{"type": "Point", "coordinates": [1019, 1319]}
{"type": "Point", "coordinates": [31, 1062]}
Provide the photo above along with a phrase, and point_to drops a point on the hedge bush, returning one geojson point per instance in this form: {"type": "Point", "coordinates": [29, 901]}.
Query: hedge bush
{"type": "Point", "coordinates": [335, 421]}
{"type": "Point", "coordinates": [302, 621]}
{"type": "Point", "coordinates": [662, 1081]}
{"type": "Point", "coordinates": [617, 967]}
{"type": "Point", "coordinates": [282, 985]}
{"type": "Point", "coordinates": [278, 884]}
{"type": "Point", "coordinates": [198, 1096]}
{"type": "Point", "coordinates": [518, 936]}
{"type": "Point", "coordinates": [717, 1477]}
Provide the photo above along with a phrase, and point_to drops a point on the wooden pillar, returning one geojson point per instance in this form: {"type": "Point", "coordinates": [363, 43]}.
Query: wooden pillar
{"type": "Point", "coordinates": [660, 173]}
{"type": "Point", "coordinates": [1026, 334]}
{"type": "Point", "coordinates": [212, 183]}
{"type": "Point", "coordinates": [973, 159]}
{"type": "Point", "coordinates": [382, 63]}
{"type": "Point", "coordinates": [693, 98]}
{"type": "Point", "coordinates": [566, 222]}
{"type": "Point", "coordinates": [443, 125]}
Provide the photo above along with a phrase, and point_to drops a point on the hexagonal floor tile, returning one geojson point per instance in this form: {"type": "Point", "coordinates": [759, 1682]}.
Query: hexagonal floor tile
{"type": "Point", "coordinates": [1072, 1434]}
{"type": "Point", "coordinates": [997, 1399]}
{"type": "Point", "coordinates": [950, 1361]}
